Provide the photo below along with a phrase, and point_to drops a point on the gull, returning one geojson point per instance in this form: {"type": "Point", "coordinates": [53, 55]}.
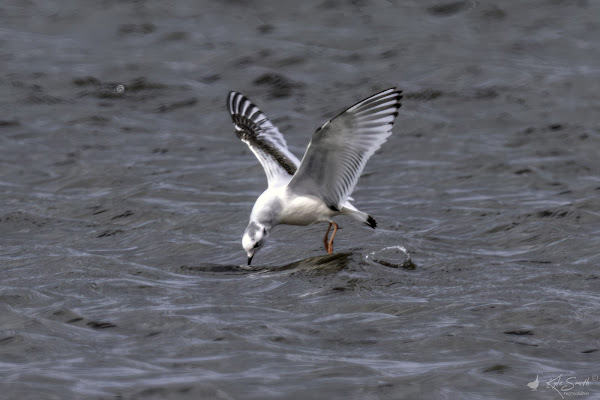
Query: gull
{"type": "Point", "coordinates": [317, 188]}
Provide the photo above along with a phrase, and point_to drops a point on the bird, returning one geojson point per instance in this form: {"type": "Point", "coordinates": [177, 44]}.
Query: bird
{"type": "Point", "coordinates": [534, 385]}
{"type": "Point", "coordinates": [318, 187]}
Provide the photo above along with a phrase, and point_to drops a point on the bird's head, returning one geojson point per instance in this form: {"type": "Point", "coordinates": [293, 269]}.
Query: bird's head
{"type": "Point", "coordinates": [254, 237]}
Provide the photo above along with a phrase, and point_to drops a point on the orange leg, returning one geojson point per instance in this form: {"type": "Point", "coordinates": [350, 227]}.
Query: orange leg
{"type": "Point", "coordinates": [325, 238]}
{"type": "Point", "coordinates": [329, 247]}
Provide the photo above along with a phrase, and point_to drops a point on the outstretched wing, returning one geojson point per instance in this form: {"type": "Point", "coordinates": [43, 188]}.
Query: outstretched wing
{"type": "Point", "coordinates": [339, 150]}
{"type": "Point", "coordinates": [262, 137]}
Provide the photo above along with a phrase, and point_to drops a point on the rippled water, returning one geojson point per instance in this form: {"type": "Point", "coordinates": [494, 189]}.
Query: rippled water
{"type": "Point", "coordinates": [121, 213]}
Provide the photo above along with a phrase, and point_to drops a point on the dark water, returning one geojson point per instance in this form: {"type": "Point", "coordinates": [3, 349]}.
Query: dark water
{"type": "Point", "coordinates": [121, 213]}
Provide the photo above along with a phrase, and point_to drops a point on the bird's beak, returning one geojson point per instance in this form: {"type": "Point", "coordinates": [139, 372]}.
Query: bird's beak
{"type": "Point", "coordinates": [250, 259]}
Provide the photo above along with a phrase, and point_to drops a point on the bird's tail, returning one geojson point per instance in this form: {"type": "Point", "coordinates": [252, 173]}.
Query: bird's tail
{"type": "Point", "coordinates": [351, 211]}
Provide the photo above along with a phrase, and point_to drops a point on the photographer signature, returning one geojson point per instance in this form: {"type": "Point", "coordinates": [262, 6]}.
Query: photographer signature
{"type": "Point", "coordinates": [567, 385]}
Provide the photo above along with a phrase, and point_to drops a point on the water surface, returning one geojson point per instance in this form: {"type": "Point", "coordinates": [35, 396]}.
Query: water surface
{"type": "Point", "coordinates": [121, 213]}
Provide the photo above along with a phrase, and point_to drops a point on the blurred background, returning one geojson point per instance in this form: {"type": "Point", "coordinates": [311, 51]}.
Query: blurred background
{"type": "Point", "coordinates": [125, 193]}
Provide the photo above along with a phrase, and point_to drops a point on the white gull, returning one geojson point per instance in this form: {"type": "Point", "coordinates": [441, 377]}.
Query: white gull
{"type": "Point", "coordinates": [317, 188]}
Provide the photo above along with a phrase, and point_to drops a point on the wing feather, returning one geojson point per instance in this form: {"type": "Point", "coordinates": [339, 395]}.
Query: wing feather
{"type": "Point", "coordinates": [340, 149]}
{"type": "Point", "coordinates": [262, 137]}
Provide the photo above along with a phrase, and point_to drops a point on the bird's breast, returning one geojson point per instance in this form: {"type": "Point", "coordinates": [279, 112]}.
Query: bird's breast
{"type": "Point", "coordinates": [303, 210]}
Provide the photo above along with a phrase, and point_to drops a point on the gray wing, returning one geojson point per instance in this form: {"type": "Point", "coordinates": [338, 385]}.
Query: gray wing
{"type": "Point", "coordinates": [262, 137]}
{"type": "Point", "coordinates": [339, 150]}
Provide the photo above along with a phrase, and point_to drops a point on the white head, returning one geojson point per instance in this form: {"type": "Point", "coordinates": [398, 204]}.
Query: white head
{"type": "Point", "coordinates": [254, 237]}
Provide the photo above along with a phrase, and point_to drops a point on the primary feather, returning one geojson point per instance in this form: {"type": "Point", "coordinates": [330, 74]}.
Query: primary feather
{"type": "Point", "coordinates": [263, 138]}
{"type": "Point", "coordinates": [339, 150]}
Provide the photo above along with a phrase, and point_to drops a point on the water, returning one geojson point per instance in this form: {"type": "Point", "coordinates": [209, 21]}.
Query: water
{"type": "Point", "coordinates": [121, 213]}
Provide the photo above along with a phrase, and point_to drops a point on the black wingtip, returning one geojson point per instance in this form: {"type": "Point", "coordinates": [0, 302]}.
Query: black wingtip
{"type": "Point", "coordinates": [229, 101]}
{"type": "Point", "coordinates": [371, 222]}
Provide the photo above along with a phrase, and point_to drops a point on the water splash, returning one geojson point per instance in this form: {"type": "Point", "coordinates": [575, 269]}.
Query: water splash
{"type": "Point", "coordinates": [393, 256]}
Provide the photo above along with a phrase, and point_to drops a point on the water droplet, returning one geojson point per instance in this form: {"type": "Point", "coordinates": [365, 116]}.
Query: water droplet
{"type": "Point", "coordinates": [393, 257]}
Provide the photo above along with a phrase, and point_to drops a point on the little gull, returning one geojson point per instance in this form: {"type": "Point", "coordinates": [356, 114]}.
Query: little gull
{"type": "Point", "coordinates": [317, 188]}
